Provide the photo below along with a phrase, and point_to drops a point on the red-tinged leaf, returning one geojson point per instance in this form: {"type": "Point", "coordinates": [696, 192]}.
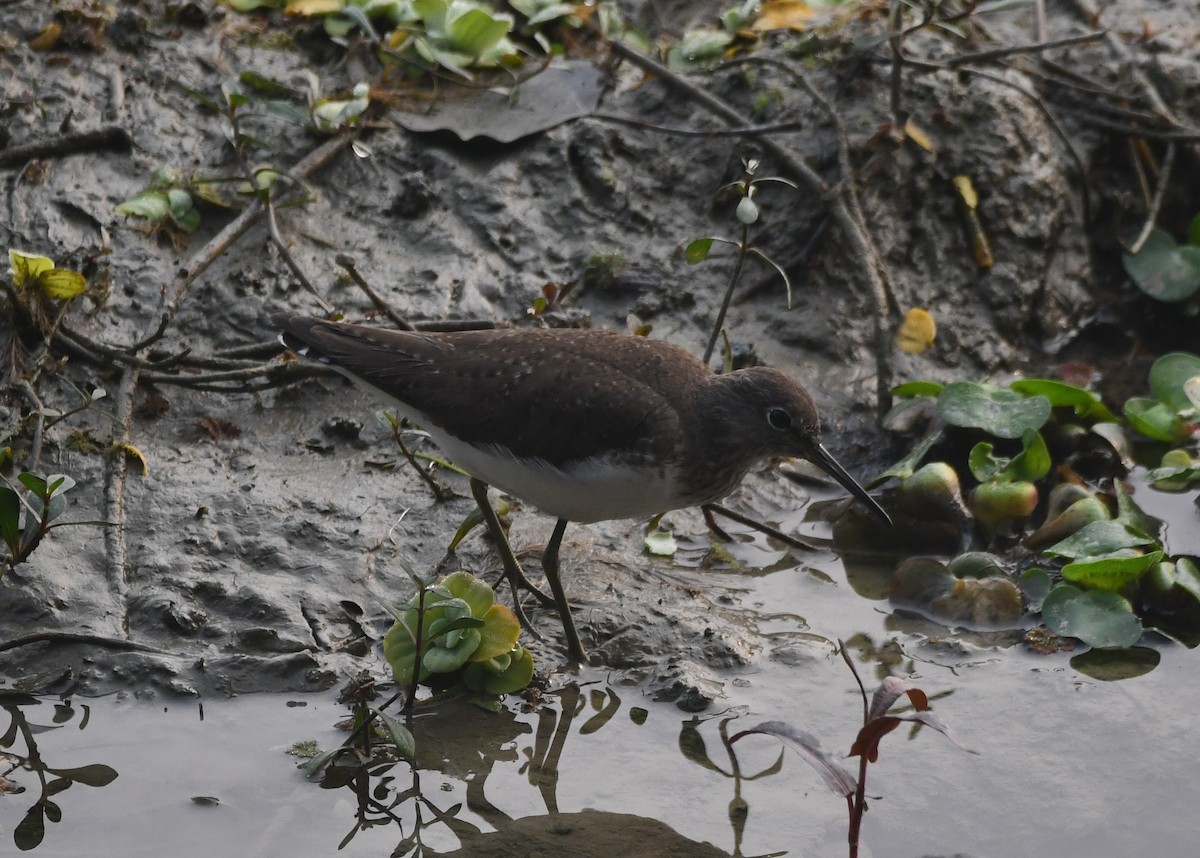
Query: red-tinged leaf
{"type": "Point", "coordinates": [889, 691]}
{"type": "Point", "coordinates": [866, 744]}
{"type": "Point", "coordinates": [806, 745]}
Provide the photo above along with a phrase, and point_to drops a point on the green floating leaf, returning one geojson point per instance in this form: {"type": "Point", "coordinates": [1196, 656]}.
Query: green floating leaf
{"type": "Point", "coordinates": [151, 205]}
{"type": "Point", "coordinates": [1036, 584]}
{"type": "Point", "coordinates": [1153, 419]}
{"type": "Point", "coordinates": [997, 411]}
{"type": "Point", "coordinates": [1172, 378]}
{"type": "Point", "coordinates": [1099, 618]}
{"type": "Point", "coordinates": [499, 634]}
{"type": "Point", "coordinates": [1110, 573]}
{"type": "Point", "coordinates": [1113, 665]}
{"type": "Point", "coordinates": [1063, 395]}
{"type": "Point", "coordinates": [918, 388]}
{"type": "Point", "coordinates": [1030, 465]}
{"type": "Point", "coordinates": [1165, 270]}
{"type": "Point", "coordinates": [1100, 538]}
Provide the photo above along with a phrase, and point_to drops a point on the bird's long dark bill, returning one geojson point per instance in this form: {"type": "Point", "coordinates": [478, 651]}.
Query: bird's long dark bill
{"type": "Point", "coordinates": [825, 461]}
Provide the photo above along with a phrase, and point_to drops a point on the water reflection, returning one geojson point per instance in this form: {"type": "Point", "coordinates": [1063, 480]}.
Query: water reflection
{"type": "Point", "coordinates": [461, 743]}
{"type": "Point", "coordinates": [21, 754]}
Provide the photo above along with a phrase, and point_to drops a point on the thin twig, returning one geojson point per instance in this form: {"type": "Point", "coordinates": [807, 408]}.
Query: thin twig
{"type": "Point", "coordinates": [744, 131]}
{"type": "Point", "coordinates": [1032, 48]}
{"type": "Point", "coordinates": [288, 259]}
{"type": "Point", "coordinates": [79, 638]}
{"type": "Point", "coordinates": [735, 275]}
{"type": "Point", "coordinates": [35, 445]}
{"type": "Point", "coordinates": [111, 139]}
{"type": "Point", "coordinates": [1160, 192]}
{"type": "Point", "coordinates": [117, 572]}
{"type": "Point", "coordinates": [348, 265]}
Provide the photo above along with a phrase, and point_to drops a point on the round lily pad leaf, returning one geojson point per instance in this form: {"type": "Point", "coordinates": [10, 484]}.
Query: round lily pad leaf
{"type": "Point", "coordinates": [997, 411]}
{"type": "Point", "coordinates": [1110, 665]}
{"type": "Point", "coordinates": [1110, 573]}
{"type": "Point", "coordinates": [1165, 270]}
{"type": "Point", "coordinates": [1099, 618]}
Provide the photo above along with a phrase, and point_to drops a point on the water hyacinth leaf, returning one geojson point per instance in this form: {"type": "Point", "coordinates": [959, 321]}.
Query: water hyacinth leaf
{"type": "Point", "coordinates": [1063, 395]}
{"type": "Point", "coordinates": [983, 463]}
{"type": "Point", "coordinates": [447, 659]}
{"type": "Point", "coordinates": [1033, 462]}
{"type": "Point", "coordinates": [1163, 269]}
{"type": "Point", "coordinates": [997, 411]}
{"type": "Point", "coordinates": [1113, 665]}
{"type": "Point", "coordinates": [699, 45]}
{"type": "Point", "coordinates": [1036, 584]}
{"type": "Point", "coordinates": [474, 593]}
{"type": "Point", "coordinates": [477, 32]}
{"type": "Point", "coordinates": [517, 676]}
{"type": "Point", "coordinates": [151, 205]}
{"type": "Point", "coordinates": [1098, 539]}
{"type": "Point", "coordinates": [1157, 421]}
{"type": "Point", "coordinates": [1109, 573]}
{"type": "Point", "coordinates": [836, 778]}
{"type": "Point", "coordinates": [918, 388]}
{"type": "Point", "coordinates": [1187, 576]}
{"type": "Point", "coordinates": [498, 635]}
{"type": "Point", "coordinates": [550, 12]}
{"type": "Point", "coordinates": [1099, 618]}
{"type": "Point", "coordinates": [1176, 472]}
{"type": "Point", "coordinates": [1170, 377]}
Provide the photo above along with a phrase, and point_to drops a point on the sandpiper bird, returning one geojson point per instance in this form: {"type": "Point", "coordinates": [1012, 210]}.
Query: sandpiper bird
{"type": "Point", "coordinates": [586, 425]}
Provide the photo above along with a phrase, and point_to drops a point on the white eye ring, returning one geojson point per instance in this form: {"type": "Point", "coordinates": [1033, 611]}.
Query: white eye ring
{"type": "Point", "coordinates": [778, 418]}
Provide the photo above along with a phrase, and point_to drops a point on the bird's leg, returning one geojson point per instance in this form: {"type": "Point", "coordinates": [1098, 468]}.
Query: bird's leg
{"type": "Point", "coordinates": [512, 568]}
{"type": "Point", "coordinates": [722, 533]}
{"type": "Point", "coordinates": [709, 508]}
{"type": "Point", "coordinates": [550, 566]}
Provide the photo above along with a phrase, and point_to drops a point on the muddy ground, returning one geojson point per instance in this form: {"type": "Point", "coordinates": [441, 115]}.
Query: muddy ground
{"type": "Point", "coordinates": [258, 547]}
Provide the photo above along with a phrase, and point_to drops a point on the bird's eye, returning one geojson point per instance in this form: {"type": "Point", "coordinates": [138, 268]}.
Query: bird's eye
{"type": "Point", "coordinates": [779, 418]}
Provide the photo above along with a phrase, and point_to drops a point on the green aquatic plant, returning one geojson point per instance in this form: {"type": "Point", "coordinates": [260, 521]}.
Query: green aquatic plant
{"type": "Point", "coordinates": [454, 634]}
{"type": "Point", "coordinates": [1096, 569]}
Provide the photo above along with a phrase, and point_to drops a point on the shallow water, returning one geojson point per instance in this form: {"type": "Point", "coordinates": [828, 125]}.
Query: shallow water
{"type": "Point", "coordinates": [1067, 765]}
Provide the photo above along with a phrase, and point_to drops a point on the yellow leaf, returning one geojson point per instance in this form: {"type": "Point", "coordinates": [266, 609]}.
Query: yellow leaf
{"type": "Point", "coordinates": [980, 247]}
{"type": "Point", "coordinates": [783, 15]}
{"type": "Point", "coordinates": [26, 268]}
{"type": "Point", "coordinates": [966, 190]}
{"type": "Point", "coordinates": [917, 332]}
{"type": "Point", "coordinates": [62, 283]}
{"type": "Point", "coordinates": [46, 40]}
{"type": "Point", "coordinates": [132, 452]}
{"type": "Point", "coordinates": [313, 7]}
{"type": "Point", "coordinates": [919, 137]}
